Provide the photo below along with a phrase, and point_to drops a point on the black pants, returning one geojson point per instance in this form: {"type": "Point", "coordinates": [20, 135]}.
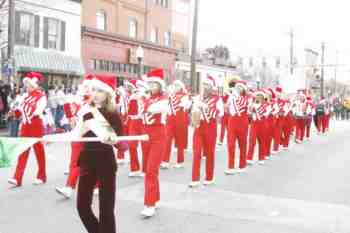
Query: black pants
{"type": "Point", "coordinates": [87, 182]}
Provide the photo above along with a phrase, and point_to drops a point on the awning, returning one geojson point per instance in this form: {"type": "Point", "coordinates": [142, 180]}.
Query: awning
{"type": "Point", "coordinates": [47, 61]}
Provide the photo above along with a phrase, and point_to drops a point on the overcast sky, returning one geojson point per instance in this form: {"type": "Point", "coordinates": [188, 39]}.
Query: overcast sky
{"type": "Point", "coordinates": [261, 27]}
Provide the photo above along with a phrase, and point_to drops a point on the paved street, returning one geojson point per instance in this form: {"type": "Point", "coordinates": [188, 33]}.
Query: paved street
{"type": "Point", "coordinates": [303, 190]}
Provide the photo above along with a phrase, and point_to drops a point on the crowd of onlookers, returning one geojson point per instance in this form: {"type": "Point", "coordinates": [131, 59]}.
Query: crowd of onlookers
{"type": "Point", "coordinates": [54, 117]}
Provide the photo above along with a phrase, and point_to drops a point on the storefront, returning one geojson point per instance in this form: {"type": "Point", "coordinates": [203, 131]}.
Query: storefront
{"type": "Point", "coordinates": [107, 53]}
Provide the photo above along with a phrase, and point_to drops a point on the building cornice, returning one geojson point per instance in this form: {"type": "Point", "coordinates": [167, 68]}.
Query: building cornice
{"type": "Point", "coordinates": [88, 31]}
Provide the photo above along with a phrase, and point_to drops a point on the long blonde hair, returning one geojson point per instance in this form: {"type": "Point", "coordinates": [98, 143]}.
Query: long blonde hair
{"type": "Point", "coordinates": [109, 104]}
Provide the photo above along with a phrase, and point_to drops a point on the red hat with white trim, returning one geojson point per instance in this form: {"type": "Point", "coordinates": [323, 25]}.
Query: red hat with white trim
{"type": "Point", "coordinates": [242, 84]}
{"type": "Point", "coordinates": [107, 83]}
{"type": "Point", "coordinates": [155, 76]}
{"type": "Point", "coordinates": [278, 90]}
{"type": "Point", "coordinates": [210, 81]}
{"type": "Point", "coordinates": [33, 78]}
{"type": "Point", "coordinates": [132, 83]}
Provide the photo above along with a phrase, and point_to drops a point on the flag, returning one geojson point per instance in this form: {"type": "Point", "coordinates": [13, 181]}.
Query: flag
{"type": "Point", "coordinates": [11, 148]}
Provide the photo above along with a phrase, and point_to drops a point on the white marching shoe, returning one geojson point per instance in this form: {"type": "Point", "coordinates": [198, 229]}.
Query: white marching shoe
{"type": "Point", "coordinates": [250, 162]}
{"type": "Point", "coordinates": [165, 165]}
{"type": "Point", "coordinates": [66, 172]}
{"type": "Point", "coordinates": [65, 191]}
{"type": "Point", "coordinates": [148, 211]}
{"type": "Point", "coordinates": [13, 182]}
{"type": "Point", "coordinates": [261, 162]}
{"type": "Point", "coordinates": [274, 152]}
{"type": "Point", "coordinates": [135, 174]}
{"type": "Point", "coordinates": [241, 170]}
{"type": "Point", "coordinates": [209, 182]}
{"type": "Point", "coordinates": [194, 184]}
{"type": "Point", "coordinates": [179, 165]}
{"type": "Point", "coordinates": [38, 182]}
{"type": "Point", "coordinates": [230, 171]}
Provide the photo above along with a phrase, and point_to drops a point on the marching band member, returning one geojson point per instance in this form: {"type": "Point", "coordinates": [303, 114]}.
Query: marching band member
{"type": "Point", "coordinates": [204, 115]}
{"type": "Point", "coordinates": [134, 123]}
{"type": "Point", "coordinates": [310, 112]}
{"type": "Point", "coordinates": [97, 161]}
{"type": "Point", "coordinates": [288, 123]}
{"type": "Point", "coordinates": [83, 99]}
{"type": "Point", "coordinates": [238, 123]}
{"type": "Point", "coordinates": [122, 105]}
{"type": "Point", "coordinates": [32, 108]}
{"type": "Point", "coordinates": [224, 119]}
{"type": "Point", "coordinates": [270, 120]}
{"type": "Point", "coordinates": [279, 120]}
{"type": "Point", "coordinates": [177, 124]}
{"type": "Point", "coordinates": [155, 111]}
{"type": "Point", "coordinates": [300, 115]}
{"type": "Point", "coordinates": [258, 130]}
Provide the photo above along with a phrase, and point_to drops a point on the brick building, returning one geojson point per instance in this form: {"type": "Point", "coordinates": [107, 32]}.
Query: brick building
{"type": "Point", "coordinates": [112, 30]}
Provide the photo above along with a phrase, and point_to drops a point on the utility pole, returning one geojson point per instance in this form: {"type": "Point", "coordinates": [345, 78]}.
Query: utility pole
{"type": "Point", "coordinates": [291, 34]}
{"type": "Point", "coordinates": [11, 38]}
{"type": "Point", "coordinates": [322, 70]}
{"type": "Point", "coordinates": [194, 79]}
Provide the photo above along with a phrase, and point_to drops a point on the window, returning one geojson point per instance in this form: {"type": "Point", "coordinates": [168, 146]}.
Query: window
{"type": "Point", "coordinates": [26, 33]}
{"type": "Point", "coordinates": [133, 28]}
{"type": "Point", "coordinates": [167, 39]}
{"type": "Point", "coordinates": [155, 35]}
{"type": "Point", "coordinates": [53, 34]}
{"type": "Point", "coordinates": [101, 19]}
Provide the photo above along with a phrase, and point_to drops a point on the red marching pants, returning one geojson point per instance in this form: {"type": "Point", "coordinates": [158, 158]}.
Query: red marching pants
{"type": "Point", "coordinates": [237, 130]}
{"type": "Point", "coordinates": [135, 127]}
{"type": "Point", "coordinates": [204, 140]}
{"type": "Point", "coordinates": [257, 132]}
{"type": "Point", "coordinates": [287, 129]}
{"type": "Point", "coordinates": [308, 126]}
{"type": "Point", "coordinates": [224, 126]}
{"type": "Point", "coordinates": [154, 150]}
{"type": "Point", "coordinates": [33, 129]}
{"type": "Point", "coordinates": [327, 119]}
{"type": "Point", "coordinates": [270, 123]}
{"type": "Point", "coordinates": [74, 169]}
{"type": "Point", "coordinates": [177, 130]}
{"type": "Point", "coordinates": [277, 132]}
{"type": "Point", "coordinates": [300, 128]}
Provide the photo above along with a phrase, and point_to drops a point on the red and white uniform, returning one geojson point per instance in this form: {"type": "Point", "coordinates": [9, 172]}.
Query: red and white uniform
{"type": "Point", "coordinates": [32, 108]}
{"type": "Point", "coordinates": [288, 123]}
{"type": "Point", "coordinates": [154, 116]}
{"type": "Point", "coordinates": [238, 123]}
{"type": "Point", "coordinates": [258, 130]}
{"type": "Point", "coordinates": [177, 126]}
{"type": "Point", "coordinates": [122, 103]}
{"type": "Point", "coordinates": [310, 111]}
{"type": "Point", "coordinates": [135, 126]}
{"type": "Point", "coordinates": [224, 121]}
{"type": "Point", "coordinates": [299, 110]}
{"type": "Point", "coordinates": [204, 137]}
{"type": "Point", "coordinates": [279, 121]}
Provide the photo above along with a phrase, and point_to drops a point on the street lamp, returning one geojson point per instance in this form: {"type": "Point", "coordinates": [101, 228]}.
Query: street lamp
{"type": "Point", "coordinates": [140, 55]}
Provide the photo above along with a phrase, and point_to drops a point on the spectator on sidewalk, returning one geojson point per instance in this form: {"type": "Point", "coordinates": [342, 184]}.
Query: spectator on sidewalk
{"type": "Point", "coordinates": [13, 117]}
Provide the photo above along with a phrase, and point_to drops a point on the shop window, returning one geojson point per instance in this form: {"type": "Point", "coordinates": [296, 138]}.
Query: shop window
{"type": "Point", "coordinates": [133, 28]}
{"type": "Point", "coordinates": [101, 20]}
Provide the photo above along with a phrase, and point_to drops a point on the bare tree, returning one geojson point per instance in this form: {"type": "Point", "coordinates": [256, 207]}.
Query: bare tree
{"type": "Point", "coordinates": [219, 51]}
